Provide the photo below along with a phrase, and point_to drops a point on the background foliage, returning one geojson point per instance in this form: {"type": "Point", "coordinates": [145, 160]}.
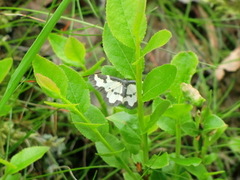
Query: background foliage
{"type": "Point", "coordinates": [210, 29]}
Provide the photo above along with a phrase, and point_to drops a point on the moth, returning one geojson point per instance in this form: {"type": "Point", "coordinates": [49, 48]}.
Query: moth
{"type": "Point", "coordinates": [116, 91]}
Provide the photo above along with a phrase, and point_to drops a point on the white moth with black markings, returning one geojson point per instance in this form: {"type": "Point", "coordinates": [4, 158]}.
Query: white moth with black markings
{"type": "Point", "coordinates": [116, 91]}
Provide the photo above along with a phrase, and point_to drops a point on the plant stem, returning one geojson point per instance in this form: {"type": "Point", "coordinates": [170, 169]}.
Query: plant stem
{"type": "Point", "coordinates": [204, 147]}
{"type": "Point", "coordinates": [139, 68]}
{"type": "Point", "coordinates": [196, 139]}
{"type": "Point", "coordinates": [178, 139]}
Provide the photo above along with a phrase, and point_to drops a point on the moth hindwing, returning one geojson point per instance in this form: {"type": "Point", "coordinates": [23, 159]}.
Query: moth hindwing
{"type": "Point", "coordinates": [114, 90]}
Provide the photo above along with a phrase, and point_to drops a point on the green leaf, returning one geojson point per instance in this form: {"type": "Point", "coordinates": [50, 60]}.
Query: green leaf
{"type": "Point", "coordinates": [157, 162]}
{"type": "Point", "coordinates": [167, 124]}
{"type": "Point", "coordinates": [89, 124]}
{"type": "Point", "coordinates": [129, 177]}
{"type": "Point", "coordinates": [58, 105]}
{"type": "Point", "coordinates": [13, 177]}
{"type": "Point", "coordinates": [140, 21]}
{"type": "Point", "coordinates": [213, 122]}
{"type": "Point", "coordinates": [111, 70]}
{"type": "Point", "coordinates": [58, 43]}
{"type": "Point", "coordinates": [199, 171]}
{"type": "Point", "coordinates": [158, 81]}
{"type": "Point", "coordinates": [75, 51]}
{"type": "Point", "coordinates": [180, 112]}
{"type": "Point", "coordinates": [6, 163]}
{"type": "Point", "coordinates": [119, 55]}
{"type": "Point", "coordinates": [52, 72]}
{"type": "Point", "coordinates": [5, 66]}
{"type": "Point", "coordinates": [77, 89]}
{"type": "Point", "coordinates": [191, 161]}
{"type": "Point", "coordinates": [213, 128]}
{"type": "Point", "coordinates": [155, 116]}
{"type": "Point", "coordinates": [176, 113]}
{"type": "Point", "coordinates": [186, 63]}
{"type": "Point", "coordinates": [156, 174]}
{"type": "Point", "coordinates": [110, 156]}
{"type": "Point", "coordinates": [127, 124]}
{"type": "Point", "coordinates": [156, 102]}
{"type": "Point", "coordinates": [210, 158]}
{"type": "Point", "coordinates": [157, 40]}
{"type": "Point", "coordinates": [126, 20]}
{"type": "Point", "coordinates": [234, 144]}
{"type": "Point", "coordinates": [26, 157]}
{"type": "Point", "coordinates": [49, 87]}
{"type": "Point", "coordinates": [190, 128]}
{"type": "Point", "coordinates": [6, 108]}
{"type": "Point", "coordinates": [61, 45]}
{"type": "Point", "coordinates": [93, 68]}
{"type": "Point", "coordinates": [96, 117]}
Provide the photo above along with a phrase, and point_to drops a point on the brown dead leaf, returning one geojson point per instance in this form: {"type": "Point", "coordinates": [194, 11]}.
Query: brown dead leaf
{"type": "Point", "coordinates": [230, 63]}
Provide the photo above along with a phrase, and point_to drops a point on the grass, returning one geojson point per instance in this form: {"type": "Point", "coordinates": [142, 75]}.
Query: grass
{"type": "Point", "coordinates": [208, 31]}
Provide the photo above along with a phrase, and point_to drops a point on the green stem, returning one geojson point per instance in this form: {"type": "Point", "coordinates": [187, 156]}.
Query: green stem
{"type": "Point", "coordinates": [204, 147]}
{"type": "Point", "coordinates": [102, 102]}
{"type": "Point", "coordinates": [139, 68]}
{"type": "Point", "coordinates": [31, 53]}
{"type": "Point", "coordinates": [196, 139]}
{"type": "Point", "coordinates": [178, 139]}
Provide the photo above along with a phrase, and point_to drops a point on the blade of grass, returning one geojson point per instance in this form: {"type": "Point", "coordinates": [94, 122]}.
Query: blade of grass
{"type": "Point", "coordinates": [33, 50]}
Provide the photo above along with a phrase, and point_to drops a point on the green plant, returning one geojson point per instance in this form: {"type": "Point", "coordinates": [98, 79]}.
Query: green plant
{"type": "Point", "coordinates": [5, 66]}
{"type": "Point", "coordinates": [130, 139]}
{"type": "Point", "coordinates": [130, 146]}
{"type": "Point", "coordinates": [21, 160]}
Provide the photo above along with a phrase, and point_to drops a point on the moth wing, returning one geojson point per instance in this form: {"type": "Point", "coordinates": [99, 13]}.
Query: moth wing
{"type": "Point", "coordinates": [111, 88]}
{"type": "Point", "coordinates": [130, 97]}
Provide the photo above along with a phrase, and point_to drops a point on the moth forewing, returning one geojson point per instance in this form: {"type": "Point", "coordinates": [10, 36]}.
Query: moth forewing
{"type": "Point", "coordinates": [114, 93]}
{"type": "Point", "coordinates": [110, 88]}
{"type": "Point", "coordinates": [114, 90]}
{"type": "Point", "coordinates": [130, 98]}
